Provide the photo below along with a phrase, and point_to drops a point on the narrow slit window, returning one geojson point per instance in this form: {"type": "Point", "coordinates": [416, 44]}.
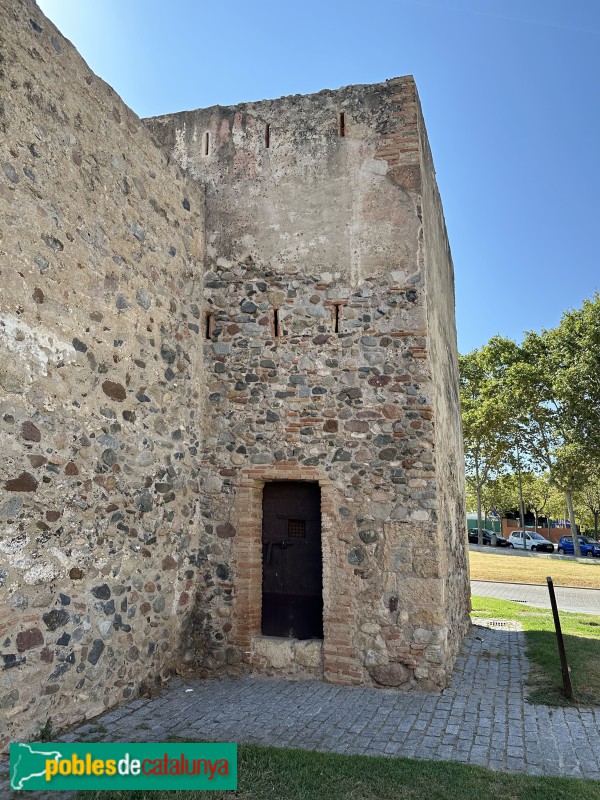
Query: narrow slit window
{"type": "Point", "coordinates": [209, 325]}
{"type": "Point", "coordinates": [206, 143]}
{"type": "Point", "coordinates": [276, 329]}
{"type": "Point", "coordinates": [342, 123]}
{"type": "Point", "coordinates": [267, 136]}
{"type": "Point", "coordinates": [337, 317]}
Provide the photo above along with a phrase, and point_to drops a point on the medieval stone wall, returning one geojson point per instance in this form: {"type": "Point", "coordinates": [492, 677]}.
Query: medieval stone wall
{"type": "Point", "coordinates": [150, 387]}
{"type": "Point", "coordinates": [101, 248]}
{"type": "Point", "coordinates": [443, 354]}
{"type": "Point", "coordinates": [322, 366]}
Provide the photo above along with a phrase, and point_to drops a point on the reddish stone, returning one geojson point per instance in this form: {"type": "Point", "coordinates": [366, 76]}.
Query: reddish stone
{"type": "Point", "coordinates": [169, 562]}
{"type": "Point", "coordinates": [47, 656]}
{"type": "Point", "coordinates": [321, 338]}
{"type": "Point", "coordinates": [116, 391]}
{"type": "Point", "coordinates": [111, 507]}
{"type": "Point", "coordinates": [38, 295]}
{"type": "Point", "coordinates": [184, 599]}
{"type": "Point", "coordinates": [24, 483]}
{"type": "Point", "coordinates": [51, 688]}
{"type": "Point", "coordinates": [52, 516]}
{"type": "Point", "coordinates": [391, 411]}
{"type": "Point", "coordinates": [37, 461]}
{"type": "Point", "coordinates": [145, 608]}
{"type": "Point", "coordinates": [233, 329]}
{"type": "Point", "coordinates": [71, 469]}
{"type": "Point", "coordinates": [225, 531]}
{"type": "Point", "coordinates": [330, 426]}
{"type": "Point", "coordinates": [149, 587]}
{"type": "Point", "coordinates": [75, 574]}
{"type": "Point", "coordinates": [356, 426]}
{"type": "Point", "coordinates": [379, 380]}
{"type": "Point", "coordinates": [26, 640]}
{"type": "Point", "coordinates": [29, 432]}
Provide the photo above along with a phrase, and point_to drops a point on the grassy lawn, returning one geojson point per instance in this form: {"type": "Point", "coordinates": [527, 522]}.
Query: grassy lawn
{"type": "Point", "coordinates": [501, 566]}
{"type": "Point", "coordinates": [268, 773]}
{"type": "Point", "coordinates": [582, 643]}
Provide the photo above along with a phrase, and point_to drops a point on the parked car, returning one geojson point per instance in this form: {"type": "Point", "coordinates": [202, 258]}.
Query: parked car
{"type": "Point", "coordinates": [588, 547]}
{"type": "Point", "coordinates": [487, 537]}
{"type": "Point", "coordinates": [533, 541]}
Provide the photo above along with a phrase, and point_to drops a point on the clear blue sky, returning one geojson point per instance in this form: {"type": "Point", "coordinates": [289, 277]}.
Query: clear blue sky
{"type": "Point", "coordinates": [510, 92]}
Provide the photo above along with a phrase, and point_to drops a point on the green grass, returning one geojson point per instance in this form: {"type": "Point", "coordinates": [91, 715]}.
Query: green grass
{"type": "Point", "coordinates": [268, 773]}
{"type": "Point", "coordinates": [582, 644]}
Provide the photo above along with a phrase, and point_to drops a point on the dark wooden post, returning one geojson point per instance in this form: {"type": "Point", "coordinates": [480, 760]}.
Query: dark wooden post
{"type": "Point", "coordinates": [561, 645]}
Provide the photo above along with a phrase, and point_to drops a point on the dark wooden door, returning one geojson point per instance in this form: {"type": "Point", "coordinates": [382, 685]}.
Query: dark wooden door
{"type": "Point", "coordinates": [292, 600]}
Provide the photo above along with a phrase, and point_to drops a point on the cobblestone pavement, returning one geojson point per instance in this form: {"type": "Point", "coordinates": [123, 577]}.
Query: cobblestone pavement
{"type": "Point", "coordinates": [482, 718]}
{"type": "Point", "coordinates": [579, 601]}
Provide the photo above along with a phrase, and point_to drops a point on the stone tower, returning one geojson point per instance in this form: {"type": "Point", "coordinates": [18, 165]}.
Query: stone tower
{"type": "Point", "coordinates": [330, 359]}
{"type": "Point", "coordinates": [229, 412]}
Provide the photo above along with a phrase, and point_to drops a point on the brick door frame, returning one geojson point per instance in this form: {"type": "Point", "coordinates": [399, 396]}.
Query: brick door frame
{"type": "Point", "coordinates": [339, 665]}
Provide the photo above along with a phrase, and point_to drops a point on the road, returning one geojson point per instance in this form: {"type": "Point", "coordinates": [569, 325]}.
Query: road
{"type": "Point", "coordinates": [579, 601]}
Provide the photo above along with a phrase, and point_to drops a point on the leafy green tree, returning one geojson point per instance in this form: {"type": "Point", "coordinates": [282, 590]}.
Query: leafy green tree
{"type": "Point", "coordinates": [486, 429]}
{"type": "Point", "coordinates": [553, 395]}
{"type": "Point", "coordinates": [537, 492]}
{"type": "Point", "coordinates": [589, 499]}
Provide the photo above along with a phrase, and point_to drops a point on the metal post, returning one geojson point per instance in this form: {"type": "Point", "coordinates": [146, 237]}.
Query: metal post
{"type": "Point", "coordinates": [561, 645]}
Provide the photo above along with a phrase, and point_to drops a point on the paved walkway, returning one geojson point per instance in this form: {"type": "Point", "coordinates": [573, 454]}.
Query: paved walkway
{"type": "Point", "coordinates": [579, 601]}
{"type": "Point", "coordinates": [482, 718]}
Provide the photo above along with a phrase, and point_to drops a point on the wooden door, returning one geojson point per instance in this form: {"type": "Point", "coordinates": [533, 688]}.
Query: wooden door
{"type": "Point", "coordinates": [292, 599]}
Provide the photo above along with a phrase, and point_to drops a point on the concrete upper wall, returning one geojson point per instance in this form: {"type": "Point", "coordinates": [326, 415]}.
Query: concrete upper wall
{"type": "Point", "coordinates": [309, 200]}
{"type": "Point", "coordinates": [100, 292]}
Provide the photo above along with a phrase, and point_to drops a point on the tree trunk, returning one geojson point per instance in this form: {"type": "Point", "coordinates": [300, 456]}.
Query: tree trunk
{"type": "Point", "coordinates": [569, 499]}
{"type": "Point", "coordinates": [596, 524]}
{"type": "Point", "coordinates": [521, 503]}
{"type": "Point", "coordinates": [477, 481]}
{"type": "Point", "coordinates": [535, 518]}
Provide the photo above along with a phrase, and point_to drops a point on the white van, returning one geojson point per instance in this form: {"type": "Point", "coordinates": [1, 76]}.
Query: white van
{"type": "Point", "coordinates": [533, 541]}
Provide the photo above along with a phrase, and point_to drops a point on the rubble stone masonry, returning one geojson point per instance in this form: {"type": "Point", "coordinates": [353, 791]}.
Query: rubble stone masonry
{"type": "Point", "coordinates": [279, 305]}
{"type": "Point", "coordinates": [331, 357]}
{"type": "Point", "coordinates": [101, 248]}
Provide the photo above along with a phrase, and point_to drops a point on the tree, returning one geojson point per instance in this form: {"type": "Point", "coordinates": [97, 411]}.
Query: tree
{"type": "Point", "coordinates": [589, 498]}
{"type": "Point", "coordinates": [536, 493]}
{"type": "Point", "coordinates": [554, 398]}
{"type": "Point", "coordinates": [485, 427]}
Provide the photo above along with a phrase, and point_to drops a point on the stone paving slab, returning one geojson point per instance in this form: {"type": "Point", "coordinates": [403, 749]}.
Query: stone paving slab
{"type": "Point", "coordinates": [578, 601]}
{"type": "Point", "coordinates": [483, 718]}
